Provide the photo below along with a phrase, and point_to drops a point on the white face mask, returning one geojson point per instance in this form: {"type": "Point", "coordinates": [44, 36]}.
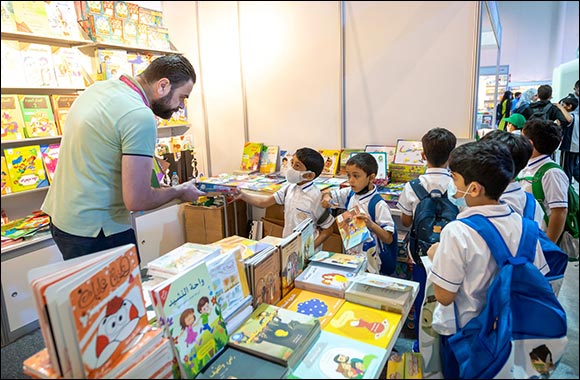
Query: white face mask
{"type": "Point", "coordinates": [295, 176]}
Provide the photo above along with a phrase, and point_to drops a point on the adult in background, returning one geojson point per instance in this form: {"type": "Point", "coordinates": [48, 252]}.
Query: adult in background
{"type": "Point", "coordinates": [544, 109]}
{"type": "Point", "coordinates": [569, 147]}
{"type": "Point", "coordinates": [528, 97]}
{"type": "Point", "coordinates": [504, 109]}
{"type": "Point", "coordinates": [516, 100]}
{"type": "Point", "coordinates": [106, 157]}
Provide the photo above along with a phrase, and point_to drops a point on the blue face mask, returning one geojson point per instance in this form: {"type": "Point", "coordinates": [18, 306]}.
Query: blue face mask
{"type": "Point", "coordinates": [452, 190]}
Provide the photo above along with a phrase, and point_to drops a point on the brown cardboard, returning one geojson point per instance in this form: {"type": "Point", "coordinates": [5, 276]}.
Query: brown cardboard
{"type": "Point", "coordinates": [206, 225]}
{"type": "Point", "coordinates": [333, 244]}
{"type": "Point", "coordinates": [273, 227]}
{"type": "Point", "coordinates": [275, 212]}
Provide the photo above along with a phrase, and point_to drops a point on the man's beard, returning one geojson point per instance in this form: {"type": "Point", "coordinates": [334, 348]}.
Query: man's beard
{"type": "Point", "coordinates": [161, 109]}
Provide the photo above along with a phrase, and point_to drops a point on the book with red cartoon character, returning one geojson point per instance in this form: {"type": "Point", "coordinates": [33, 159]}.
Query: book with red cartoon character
{"type": "Point", "coordinates": [188, 311]}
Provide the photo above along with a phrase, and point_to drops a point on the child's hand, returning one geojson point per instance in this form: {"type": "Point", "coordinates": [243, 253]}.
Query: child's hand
{"type": "Point", "coordinates": [237, 193]}
{"type": "Point", "coordinates": [431, 251]}
{"type": "Point", "coordinates": [366, 219]}
{"type": "Point", "coordinates": [328, 202]}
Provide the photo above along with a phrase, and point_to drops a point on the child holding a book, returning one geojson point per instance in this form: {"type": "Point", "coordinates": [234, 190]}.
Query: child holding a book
{"type": "Point", "coordinates": [361, 171]}
{"type": "Point", "coordinates": [300, 198]}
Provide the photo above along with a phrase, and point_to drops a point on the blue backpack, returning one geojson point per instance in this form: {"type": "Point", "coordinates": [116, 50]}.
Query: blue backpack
{"type": "Point", "coordinates": [521, 313]}
{"type": "Point", "coordinates": [387, 252]}
{"type": "Point", "coordinates": [432, 213]}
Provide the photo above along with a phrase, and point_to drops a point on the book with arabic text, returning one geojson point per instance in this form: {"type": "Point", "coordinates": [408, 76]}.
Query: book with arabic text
{"type": "Point", "coordinates": [38, 117]}
{"type": "Point", "coordinates": [12, 121]}
{"type": "Point", "coordinates": [25, 168]}
{"type": "Point", "coordinates": [236, 364]}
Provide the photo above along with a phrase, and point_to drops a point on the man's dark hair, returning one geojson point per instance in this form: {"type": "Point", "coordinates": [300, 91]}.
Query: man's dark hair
{"type": "Point", "coordinates": [311, 159]}
{"type": "Point", "coordinates": [486, 162]}
{"type": "Point", "coordinates": [437, 144]}
{"type": "Point", "coordinates": [174, 67]}
{"type": "Point", "coordinates": [517, 94]}
{"type": "Point", "coordinates": [571, 100]}
{"type": "Point", "coordinates": [519, 146]}
{"type": "Point", "coordinates": [364, 161]}
{"type": "Point", "coordinates": [545, 92]}
{"type": "Point", "coordinates": [545, 135]}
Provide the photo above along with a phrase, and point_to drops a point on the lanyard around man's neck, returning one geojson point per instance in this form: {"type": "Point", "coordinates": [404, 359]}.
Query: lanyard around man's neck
{"type": "Point", "coordinates": [135, 88]}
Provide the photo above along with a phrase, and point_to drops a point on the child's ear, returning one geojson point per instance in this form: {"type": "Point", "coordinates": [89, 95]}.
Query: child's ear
{"type": "Point", "coordinates": [372, 177]}
{"type": "Point", "coordinates": [310, 176]}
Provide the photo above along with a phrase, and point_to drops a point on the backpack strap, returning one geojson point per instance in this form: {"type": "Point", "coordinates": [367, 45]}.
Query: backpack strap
{"type": "Point", "coordinates": [373, 205]}
{"type": "Point", "coordinates": [348, 197]}
{"type": "Point", "coordinates": [537, 188]}
{"type": "Point", "coordinates": [491, 236]}
{"type": "Point", "coordinates": [530, 207]}
{"type": "Point", "coordinates": [418, 189]}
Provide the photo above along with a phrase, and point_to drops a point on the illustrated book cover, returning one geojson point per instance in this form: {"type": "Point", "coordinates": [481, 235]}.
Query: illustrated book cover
{"type": "Point", "coordinates": [291, 261]}
{"type": "Point", "coordinates": [344, 156]}
{"type": "Point", "coordinates": [38, 117]}
{"type": "Point", "coordinates": [342, 260]}
{"type": "Point", "coordinates": [25, 168]}
{"type": "Point", "coordinates": [188, 311]}
{"type": "Point", "coordinates": [306, 231]}
{"type": "Point", "coordinates": [61, 105]}
{"type": "Point", "coordinates": [409, 152]}
{"type": "Point", "coordinates": [280, 335]}
{"type": "Point", "coordinates": [50, 159]}
{"type": "Point", "coordinates": [269, 159]}
{"type": "Point", "coordinates": [264, 276]}
{"type": "Point", "coordinates": [316, 305]}
{"type": "Point", "coordinates": [331, 159]}
{"type": "Point", "coordinates": [353, 230]}
{"type": "Point", "coordinates": [12, 121]}
{"type": "Point", "coordinates": [181, 258]}
{"type": "Point", "coordinates": [251, 157]}
{"type": "Point", "coordinates": [369, 325]}
{"type": "Point", "coordinates": [236, 364]}
{"type": "Point", "coordinates": [337, 357]}
{"type": "Point", "coordinates": [6, 188]}
{"type": "Point", "coordinates": [325, 279]}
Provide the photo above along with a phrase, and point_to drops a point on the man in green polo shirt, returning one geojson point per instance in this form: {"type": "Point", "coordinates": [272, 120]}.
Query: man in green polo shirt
{"type": "Point", "coordinates": [106, 157]}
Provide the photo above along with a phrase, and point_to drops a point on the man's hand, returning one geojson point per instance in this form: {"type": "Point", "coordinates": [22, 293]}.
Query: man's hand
{"type": "Point", "coordinates": [189, 192]}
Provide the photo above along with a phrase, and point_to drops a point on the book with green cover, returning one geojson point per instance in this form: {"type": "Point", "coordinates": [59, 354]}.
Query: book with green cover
{"type": "Point", "coordinates": [235, 364]}
{"type": "Point", "coordinates": [38, 117]}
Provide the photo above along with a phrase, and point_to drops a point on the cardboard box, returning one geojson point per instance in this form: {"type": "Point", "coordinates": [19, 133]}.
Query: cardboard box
{"type": "Point", "coordinates": [333, 244]}
{"type": "Point", "coordinates": [273, 227]}
{"type": "Point", "coordinates": [275, 212]}
{"type": "Point", "coordinates": [206, 225]}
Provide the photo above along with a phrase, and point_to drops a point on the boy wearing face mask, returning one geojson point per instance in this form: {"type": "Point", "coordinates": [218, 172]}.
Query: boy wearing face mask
{"type": "Point", "coordinates": [300, 198]}
{"type": "Point", "coordinates": [361, 170]}
{"type": "Point", "coordinates": [463, 266]}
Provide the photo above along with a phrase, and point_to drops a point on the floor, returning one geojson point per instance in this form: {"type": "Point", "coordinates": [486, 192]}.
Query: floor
{"type": "Point", "coordinates": [14, 354]}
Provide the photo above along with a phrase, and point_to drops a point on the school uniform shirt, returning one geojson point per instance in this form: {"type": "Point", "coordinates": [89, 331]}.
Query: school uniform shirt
{"type": "Point", "coordinates": [383, 218]}
{"type": "Point", "coordinates": [554, 182]}
{"type": "Point", "coordinates": [463, 263]}
{"type": "Point", "coordinates": [433, 179]}
{"type": "Point", "coordinates": [515, 197]}
{"type": "Point", "coordinates": [300, 203]}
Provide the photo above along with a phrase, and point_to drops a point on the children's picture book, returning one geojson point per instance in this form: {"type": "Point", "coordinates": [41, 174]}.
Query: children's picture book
{"type": "Point", "coordinates": [269, 157]}
{"type": "Point", "coordinates": [236, 364]}
{"type": "Point", "coordinates": [250, 157]}
{"type": "Point", "coordinates": [264, 276]}
{"type": "Point", "coordinates": [6, 188]}
{"type": "Point", "coordinates": [337, 357]}
{"type": "Point", "coordinates": [369, 325]}
{"type": "Point", "coordinates": [181, 258]}
{"type": "Point", "coordinates": [12, 121]}
{"type": "Point", "coordinates": [345, 154]}
{"type": "Point", "coordinates": [31, 17]}
{"type": "Point", "coordinates": [317, 305]}
{"type": "Point", "coordinates": [62, 19]}
{"type": "Point", "coordinates": [331, 160]}
{"type": "Point", "coordinates": [333, 259]}
{"type": "Point", "coordinates": [306, 231]}
{"type": "Point", "coordinates": [250, 246]}
{"type": "Point", "coordinates": [25, 168]}
{"type": "Point", "coordinates": [12, 74]}
{"type": "Point", "coordinates": [285, 161]}
{"type": "Point", "coordinates": [8, 21]}
{"type": "Point", "coordinates": [409, 152]}
{"type": "Point", "coordinates": [382, 162]}
{"type": "Point", "coordinates": [61, 105]}
{"type": "Point", "coordinates": [353, 230]}
{"type": "Point", "coordinates": [68, 67]}
{"type": "Point", "coordinates": [324, 279]}
{"type": "Point", "coordinates": [113, 63]}
{"type": "Point", "coordinates": [290, 261]}
{"type": "Point", "coordinates": [50, 159]}
{"type": "Point", "coordinates": [382, 292]}
{"type": "Point", "coordinates": [188, 311]}
{"type": "Point", "coordinates": [280, 335]}
{"type": "Point", "coordinates": [38, 117]}
{"type": "Point", "coordinates": [38, 65]}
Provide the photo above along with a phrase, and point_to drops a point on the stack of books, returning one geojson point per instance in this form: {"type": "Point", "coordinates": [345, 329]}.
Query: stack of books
{"type": "Point", "coordinates": [180, 259]}
{"type": "Point", "coordinates": [263, 272]}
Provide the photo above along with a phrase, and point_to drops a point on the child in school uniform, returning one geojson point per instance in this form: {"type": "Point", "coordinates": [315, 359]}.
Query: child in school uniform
{"type": "Point", "coordinates": [545, 137]}
{"type": "Point", "coordinates": [514, 195]}
{"type": "Point", "coordinates": [463, 266]}
{"type": "Point", "coordinates": [300, 198]}
{"type": "Point", "coordinates": [361, 171]}
{"type": "Point", "coordinates": [437, 145]}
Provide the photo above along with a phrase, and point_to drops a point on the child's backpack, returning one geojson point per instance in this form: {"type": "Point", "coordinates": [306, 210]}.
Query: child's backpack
{"type": "Point", "coordinates": [569, 239]}
{"type": "Point", "coordinates": [521, 314]}
{"type": "Point", "coordinates": [540, 113]}
{"type": "Point", "coordinates": [387, 252]}
{"type": "Point", "coordinates": [432, 213]}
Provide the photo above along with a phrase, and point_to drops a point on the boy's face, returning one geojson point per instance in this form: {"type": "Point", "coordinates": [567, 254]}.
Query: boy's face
{"type": "Point", "coordinates": [357, 178]}
{"type": "Point", "coordinates": [297, 165]}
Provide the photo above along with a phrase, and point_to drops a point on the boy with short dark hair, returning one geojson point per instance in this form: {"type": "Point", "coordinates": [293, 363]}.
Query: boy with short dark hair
{"type": "Point", "coordinates": [361, 171]}
{"type": "Point", "coordinates": [301, 199]}
{"type": "Point", "coordinates": [463, 266]}
{"type": "Point", "coordinates": [545, 137]}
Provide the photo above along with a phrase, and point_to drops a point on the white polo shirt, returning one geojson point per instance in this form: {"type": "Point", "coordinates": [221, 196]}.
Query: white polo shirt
{"type": "Point", "coordinates": [515, 197]}
{"type": "Point", "coordinates": [301, 202]}
{"type": "Point", "coordinates": [463, 263]}
{"type": "Point", "coordinates": [554, 182]}
{"type": "Point", "coordinates": [434, 178]}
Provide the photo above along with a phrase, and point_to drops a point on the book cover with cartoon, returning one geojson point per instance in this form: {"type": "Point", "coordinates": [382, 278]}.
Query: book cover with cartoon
{"type": "Point", "coordinates": [251, 156]}
{"type": "Point", "coordinates": [276, 334]}
{"type": "Point", "coordinates": [409, 152]}
{"type": "Point", "coordinates": [265, 278]}
{"type": "Point", "coordinates": [12, 121]}
{"type": "Point", "coordinates": [61, 105]}
{"type": "Point", "coordinates": [50, 159]}
{"type": "Point", "coordinates": [331, 159]}
{"type": "Point", "coordinates": [345, 154]}
{"type": "Point", "coordinates": [339, 259]}
{"type": "Point", "coordinates": [290, 261]}
{"type": "Point", "coordinates": [269, 159]}
{"type": "Point", "coordinates": [38, 117]}
{"type": "Point", "coordinates": [108, 312]}
{"type": "Point", "coordinates": [25, 168]}
{"type": "Point", "coordinates": [316, 305]}
{"type": "Point", "coordinates": [353, 230]}
{"type": "Point", "coordinates": [336, 357]}
{"type": "Point", "coordinates": [324, 279]}
{"type": "Point", "coordinates": [6, 188]}
{"type": "Point", "coordinates": [369, 325]}
{"type": "Point", "coordinates": [188, 311]}
{"type": "Point", "coordinates": [38, 65]}
{"type": "Point", "coordinates": [306, 231]}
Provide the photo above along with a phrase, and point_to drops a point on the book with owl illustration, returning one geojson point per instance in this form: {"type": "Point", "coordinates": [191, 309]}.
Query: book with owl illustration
{"type": "Point", "coordinates": [187, 309]}
{"type": "Point", "coordinates": [337, 357]}
{"type": "Point", "coordinates": [331, 159]}
{"type": "Point", "coordinates": [365, 324]}
{"type": "Point", "coordinates": [38, 117]}
{"type": "Point", "coordinates": [25, 168]}
{"type": "Point", "coordinates": [279, 335]}
{"type": "Point", "coordinates": [61, 105]}
{"type": "Point", "coordinates": [50, 159]}
{"type": "Point", "coordinates": [324, 279]}
{"type": "Point", "coordinates": [317, 305]}
{"type": "Point", "coordinates": [12, 121]}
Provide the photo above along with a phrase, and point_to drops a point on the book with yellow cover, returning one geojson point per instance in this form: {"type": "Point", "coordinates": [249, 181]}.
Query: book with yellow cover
{"type": "Point", "coordinates": [25, 168]}
{"type": "Point", "coordinates": [61, 105]}
{"type": "Point", "coordinates": [251, 156]}
{"type": "Point", "coordinates": [38, 117]}
{"type": "Point", "coordinates": [12, 121]}
{"type": "Point", "coordinates": [314, 304]}
{"type": "Point", "coordinates": [6, 189]}
{"type": "Point", "coordinates": [373, 326]}
{"type": "Point", "coordinates": [331, 160]}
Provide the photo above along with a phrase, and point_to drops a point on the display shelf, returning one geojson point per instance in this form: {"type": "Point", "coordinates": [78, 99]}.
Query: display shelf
{"type": "Point", "coordinates": [38, 190]}
{"type": "Point", "coordinates": [174, 126]}
{"type": "Point", "coordinates": [138, 49]}
{"type": "Point", "coordinates": [40, 90]}
{"type": "Point", "coordinates": [46, 40]}
{"type": "Point", "coordinates": [29, 141]}
{"type": "Point", "coordinates": [27, 242]}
